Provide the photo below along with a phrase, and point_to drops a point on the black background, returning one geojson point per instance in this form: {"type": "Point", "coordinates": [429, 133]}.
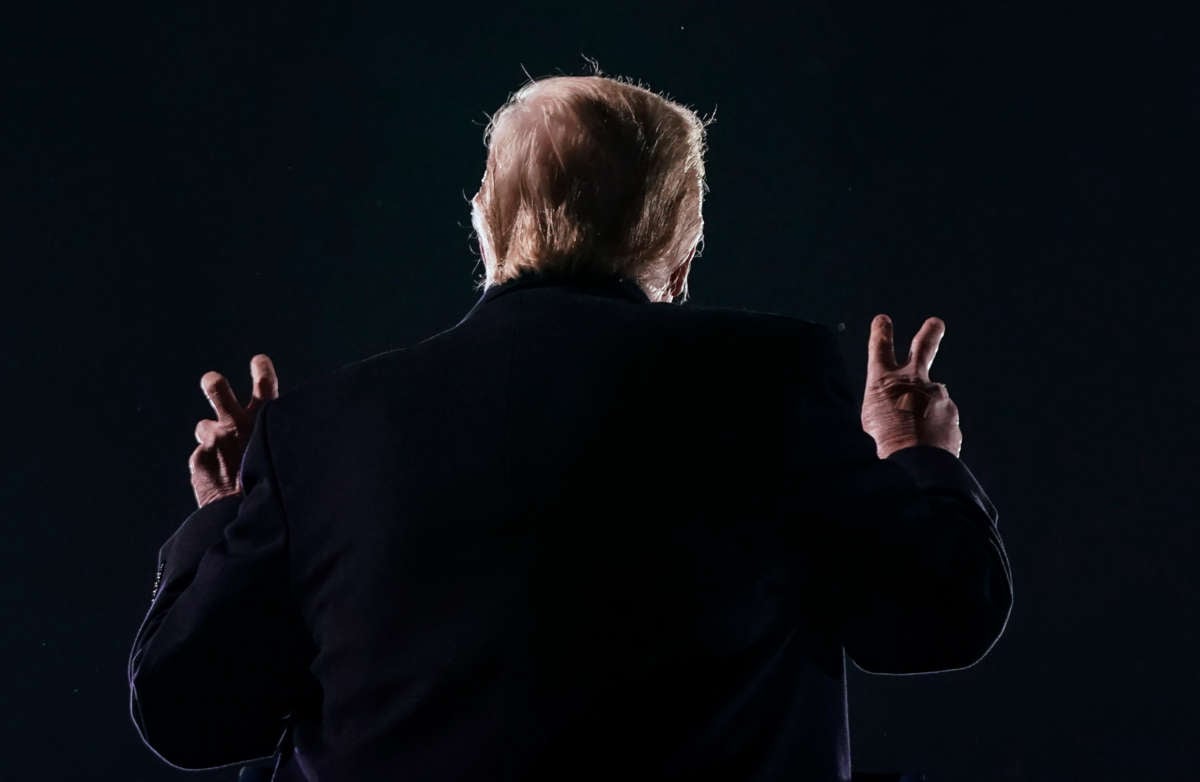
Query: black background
{"type": "Point", "coordinates": [190, 185]}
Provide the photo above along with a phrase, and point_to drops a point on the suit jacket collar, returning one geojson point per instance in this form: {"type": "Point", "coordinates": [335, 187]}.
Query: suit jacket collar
{"type": "Point", "coordinates": [611, 286]}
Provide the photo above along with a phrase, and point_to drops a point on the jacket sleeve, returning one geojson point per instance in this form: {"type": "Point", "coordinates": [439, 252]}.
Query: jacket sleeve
{"type": "Point", "coordinates": [221, 654]}
{"type": "Point", "coordinates": [911, 561]}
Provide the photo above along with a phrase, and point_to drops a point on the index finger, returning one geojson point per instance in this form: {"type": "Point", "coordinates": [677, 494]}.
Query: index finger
{"type": "Point", "coordinates": [221, 397]}
{"type": "Point", "coordinates": [881, 351]}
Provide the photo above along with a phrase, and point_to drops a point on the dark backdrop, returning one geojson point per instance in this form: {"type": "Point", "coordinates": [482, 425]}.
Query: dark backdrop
{"type": "Point", "coordinates": [186, 188]}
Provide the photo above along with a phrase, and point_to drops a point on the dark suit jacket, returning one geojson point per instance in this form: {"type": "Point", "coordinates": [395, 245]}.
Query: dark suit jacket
{"type": "Point", "coordinates": [580, 535]}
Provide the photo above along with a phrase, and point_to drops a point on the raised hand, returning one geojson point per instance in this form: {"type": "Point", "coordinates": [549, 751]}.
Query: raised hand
{"type": "Point", "coordinates": [902, 407]}
{"type": "Point", "coordinates": [216, 462]}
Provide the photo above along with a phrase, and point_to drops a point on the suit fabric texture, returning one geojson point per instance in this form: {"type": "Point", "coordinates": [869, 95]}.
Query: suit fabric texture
{"type": "Point", "coordinates": [579, 535]}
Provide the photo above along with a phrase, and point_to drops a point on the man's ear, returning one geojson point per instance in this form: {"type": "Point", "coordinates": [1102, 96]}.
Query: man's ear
{"type": "Point", "coordinates": [481, 236]}
{"type": "Point", "coordinates": [679, 277]}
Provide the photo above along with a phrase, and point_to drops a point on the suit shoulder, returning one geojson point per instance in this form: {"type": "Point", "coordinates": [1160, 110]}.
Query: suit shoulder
{"type": "Point", "coordinates": [331, 391]}
{"type": "Point", "coordinates": [765, 325]}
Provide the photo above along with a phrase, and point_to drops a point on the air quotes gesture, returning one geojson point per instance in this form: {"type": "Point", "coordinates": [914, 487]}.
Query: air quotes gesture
{"type": "Point", "coordinates": [216, 462]}
{"type": "Point", "coordinates": [902, 407]}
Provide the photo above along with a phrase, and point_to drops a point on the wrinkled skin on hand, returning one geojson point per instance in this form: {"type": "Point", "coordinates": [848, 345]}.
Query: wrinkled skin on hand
{"type": "Point", "coordinates": [902, 406]}
{"type": "Point", "coordinates": [216, 462]}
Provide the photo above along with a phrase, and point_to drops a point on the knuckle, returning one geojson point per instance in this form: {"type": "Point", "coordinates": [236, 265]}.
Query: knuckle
{"type": "Point", "coordinates": [896, 380]}
{"type": "Point", "coordinates": [881, 385]}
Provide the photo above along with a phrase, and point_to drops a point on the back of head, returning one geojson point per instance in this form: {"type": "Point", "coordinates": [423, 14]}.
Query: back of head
{"type": "Point", "coordinates": [590, 176]}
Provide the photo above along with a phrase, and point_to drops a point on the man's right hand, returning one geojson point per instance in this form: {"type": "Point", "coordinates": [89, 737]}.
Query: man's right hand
{"type": "Point", "coordinates": [902, 407]}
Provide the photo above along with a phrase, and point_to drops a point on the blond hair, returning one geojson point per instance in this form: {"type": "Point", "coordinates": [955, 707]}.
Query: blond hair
{"type": "Point", "coordinates": [591, 175]}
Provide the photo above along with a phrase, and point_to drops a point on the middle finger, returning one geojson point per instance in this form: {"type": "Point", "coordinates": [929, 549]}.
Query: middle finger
{"type": "Point", "coordinates": [925, 346]}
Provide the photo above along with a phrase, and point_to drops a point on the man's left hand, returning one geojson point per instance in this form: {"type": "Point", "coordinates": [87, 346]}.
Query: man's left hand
{"type": "Point", "coordinates": [216, 463]}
